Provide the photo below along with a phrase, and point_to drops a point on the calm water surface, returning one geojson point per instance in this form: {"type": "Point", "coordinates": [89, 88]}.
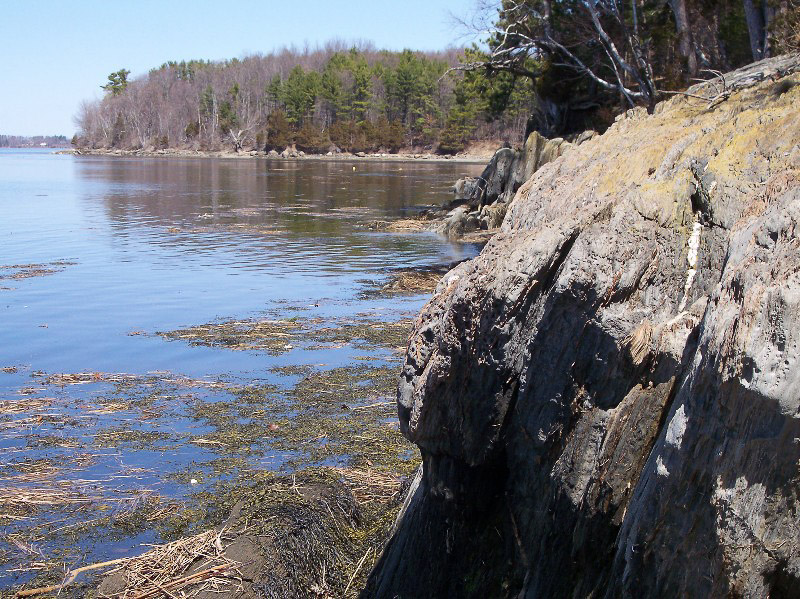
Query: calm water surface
{"type": "Point", "coordinates": [122, 246]}
{"type": "Point", "coordinates": [161, 243]}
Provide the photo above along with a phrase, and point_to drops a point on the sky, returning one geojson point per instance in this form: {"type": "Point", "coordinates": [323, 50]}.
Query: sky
{"type": "Point", "coordinates": [56, 53]}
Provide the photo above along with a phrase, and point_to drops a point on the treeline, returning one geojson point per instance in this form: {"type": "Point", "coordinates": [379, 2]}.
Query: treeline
{"type": "Point", "coordinates": [556, 66]}
{"type": "Point", "coordinates": [335, 98]}
{"type": "Point", "coordinates": [589, 59]}
{"type": "Point", "coordinates": [36, 141]}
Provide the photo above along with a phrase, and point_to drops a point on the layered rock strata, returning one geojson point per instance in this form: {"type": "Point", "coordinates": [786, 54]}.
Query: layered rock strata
{"type": "Point", "coordinates": [607, 399]}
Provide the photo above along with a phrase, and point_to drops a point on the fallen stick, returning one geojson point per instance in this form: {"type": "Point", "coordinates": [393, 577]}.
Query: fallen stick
{"type": "Point", "coordinates": [184, 579]}
{"type": "Point", "coordinates": [159, 586]}
{"type": "Point", "coordinates": [70, 578]}
{"type": "Point", "coordinates": [358, 567]}
{"type": "Point", "coordinates": [374, 405]}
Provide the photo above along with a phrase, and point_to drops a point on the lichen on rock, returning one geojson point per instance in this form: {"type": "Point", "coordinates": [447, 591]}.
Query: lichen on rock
{"type": "Point", "coordinates": [605, 399]}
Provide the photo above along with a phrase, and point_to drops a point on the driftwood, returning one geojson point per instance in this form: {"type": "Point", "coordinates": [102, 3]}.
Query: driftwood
{"type": "Point", "coordinates": [70, 578]}
{"type": "Point", "coordinates": [183, 580]}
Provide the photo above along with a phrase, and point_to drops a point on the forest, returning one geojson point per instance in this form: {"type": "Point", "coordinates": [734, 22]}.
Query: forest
{"type": "Point", "coordinates": [556, 66]}
{"type": "Point", "coordinates": [352, 98]}
{"type": "Point", "coordinates": [36, 141]}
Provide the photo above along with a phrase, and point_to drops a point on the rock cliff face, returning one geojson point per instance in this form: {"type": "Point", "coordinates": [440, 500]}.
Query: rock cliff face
{"type": "Point", "coordinates": [481, 202]}
{"type": "Point", "coordinates": [607, 399]}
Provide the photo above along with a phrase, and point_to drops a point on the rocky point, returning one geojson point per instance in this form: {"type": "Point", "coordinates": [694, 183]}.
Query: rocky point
{"type": "Point", "coordinates": [607, 399]}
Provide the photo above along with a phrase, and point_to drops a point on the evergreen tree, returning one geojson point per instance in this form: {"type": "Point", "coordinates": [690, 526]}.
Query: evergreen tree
{"type": "Point", "coordinates": [117, 82]}
{"type": "Point", "coordinates": [332, 90]}
{"type": "Point", "coordinates": [279, 132]}
{"type": "Point", "coordinates": [298, 94]}
{"type": "Point", "coordinates": [361, 92]}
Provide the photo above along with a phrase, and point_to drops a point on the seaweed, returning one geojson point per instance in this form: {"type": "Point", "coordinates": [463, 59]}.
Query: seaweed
{"type": "Point", "coordinates": [27, 271]}
{"type": "Point", "coordinates": [277, 337]}
{"type": "Point", "coordinates": [311, 455]}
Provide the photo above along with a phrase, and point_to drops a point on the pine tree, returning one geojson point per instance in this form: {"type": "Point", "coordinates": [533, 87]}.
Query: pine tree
{"type": "Point", "coordinates": [299, 94]}
{"type": "Point", "coordinates": [117, 82]}
{"type": "Point", "coordinates": [279, 132]}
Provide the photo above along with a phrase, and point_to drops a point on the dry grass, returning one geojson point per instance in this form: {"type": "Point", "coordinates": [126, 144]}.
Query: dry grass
{"type": "Point", "coordinates": [183, 568]}
{"type": "Point", "coordinates": [369, 486]}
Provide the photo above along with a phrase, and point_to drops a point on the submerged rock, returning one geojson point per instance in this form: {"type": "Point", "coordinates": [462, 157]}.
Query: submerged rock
{"type": "Point", "coordinates": [607, 399]}
{"type": "Point", "coordinates": [458, 222]}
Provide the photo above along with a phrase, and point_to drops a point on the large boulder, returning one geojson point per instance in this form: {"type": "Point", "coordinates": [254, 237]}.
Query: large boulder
{"type": "Point", "coordinates": [607, 399]}
{"type": "Point", "coordinates": [507, 171]}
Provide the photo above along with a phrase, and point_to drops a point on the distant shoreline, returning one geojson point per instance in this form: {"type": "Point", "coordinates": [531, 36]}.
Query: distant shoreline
{"type": "Point", "coordinates": [227, 154]}
{"type": "Point", "coordinates": [37, 147]}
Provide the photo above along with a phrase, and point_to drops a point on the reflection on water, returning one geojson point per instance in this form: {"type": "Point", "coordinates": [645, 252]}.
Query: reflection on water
{"type": "Point", "coordinates": [162, 243]}
{"type": "Point", "coordinates": [99, 254]}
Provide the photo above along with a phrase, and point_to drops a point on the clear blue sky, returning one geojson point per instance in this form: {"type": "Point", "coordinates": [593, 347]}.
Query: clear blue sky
{"type": "Point", "coordinates": [56, 53]}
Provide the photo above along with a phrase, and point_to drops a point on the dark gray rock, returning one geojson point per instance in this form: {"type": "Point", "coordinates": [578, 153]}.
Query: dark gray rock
{"type": "Point", "coordinates": [607, 399]}
{"type": "Point", "coordinates": [459, 222]}
{"type": "Point", "coordinates": [507, 171]}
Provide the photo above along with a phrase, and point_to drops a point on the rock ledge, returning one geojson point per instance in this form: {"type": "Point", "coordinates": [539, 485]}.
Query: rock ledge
{"type": "Point", "coordinates": [607, 399]}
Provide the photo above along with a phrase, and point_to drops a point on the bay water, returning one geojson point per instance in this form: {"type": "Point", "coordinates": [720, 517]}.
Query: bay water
{"type": "Point", "coordinates": [100, 255]}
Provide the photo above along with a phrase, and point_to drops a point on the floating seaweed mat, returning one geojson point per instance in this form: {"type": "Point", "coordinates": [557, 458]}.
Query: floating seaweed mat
{"type": "Point", "coordinates": [26, 271]}
{"type": "Point", "coordinates": [81, 378]}
{"type": "Point", "coordinates": [403, 225]}
{"type": "Point", "coordinates": [21, 497]}
{"type": "Point", "coordinates": [62, 379]}
{"type": "Point", "coordinates": [21, 406]}
{"type": "Point", "coordinates": [410, 282]}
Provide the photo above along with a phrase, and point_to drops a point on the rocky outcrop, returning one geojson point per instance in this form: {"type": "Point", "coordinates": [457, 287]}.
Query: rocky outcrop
{"type": "Point", "coordinates": [480, 202]}
{"type": "Point", "coordinates": [607, 399]}
{"type": "Point", "coordinates": [507, 171]}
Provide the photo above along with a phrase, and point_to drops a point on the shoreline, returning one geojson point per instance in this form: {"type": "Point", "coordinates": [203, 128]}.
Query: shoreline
{"type": "Point", "coordinates": [256, 154]}
{"type": "Point", "coordinates": [335, 424]}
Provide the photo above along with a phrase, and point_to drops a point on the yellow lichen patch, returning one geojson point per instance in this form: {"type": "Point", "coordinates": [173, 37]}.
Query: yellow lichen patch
{"type": "Point", "coordinates": [665, 201]}
{"type": "Point", "coordinates": [744, 137]}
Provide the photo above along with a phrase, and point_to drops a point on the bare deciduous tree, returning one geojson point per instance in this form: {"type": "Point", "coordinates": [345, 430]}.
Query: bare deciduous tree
{"type": "Point", "coordinates": [525, 31]}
